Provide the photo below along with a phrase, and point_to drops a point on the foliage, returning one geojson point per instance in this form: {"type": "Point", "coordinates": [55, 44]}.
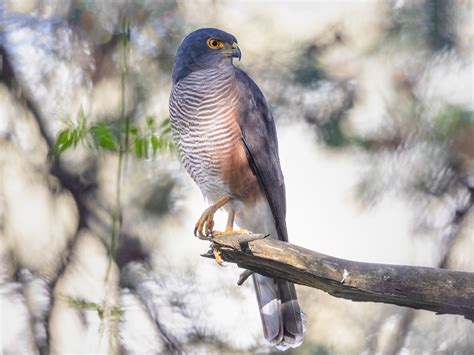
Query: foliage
{"type": "Point", "coordinates": [147, 142]}
{"type": "Point", "coordinates": [102, 310]}
{"type": "Point", "coordinates": [70, 136]}
{"type": "Point", "coordinates": [451, 120]}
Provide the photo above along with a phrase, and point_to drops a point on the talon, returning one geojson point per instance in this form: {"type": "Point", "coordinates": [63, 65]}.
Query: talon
{"type": "Point", "coordinates": [205, 223]}
{"type": "Point", "coordinates": [217, 255]}
{"type": "Point", "coordinates": [209, 224]}
{"type": "Point", "coordinates": [201, 224]}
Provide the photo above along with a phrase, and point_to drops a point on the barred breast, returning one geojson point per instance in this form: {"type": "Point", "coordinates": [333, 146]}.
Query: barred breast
{"type": "Point", "coordinates": [203, 108]}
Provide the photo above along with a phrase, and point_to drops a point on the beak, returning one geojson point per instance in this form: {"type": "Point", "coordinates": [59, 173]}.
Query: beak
{"type": "Point", "coordinates": [236, 51]}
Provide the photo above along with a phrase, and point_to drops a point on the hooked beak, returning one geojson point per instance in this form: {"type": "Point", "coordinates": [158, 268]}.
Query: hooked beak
{"type": "Point", "coordinates": [236, 51]}
{"type": "Point", "coordinates": [232, 51]}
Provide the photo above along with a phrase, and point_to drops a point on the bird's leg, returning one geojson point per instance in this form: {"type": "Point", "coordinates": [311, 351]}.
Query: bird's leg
{"type": "Point", "coordinates": [230, 221]}
{"type": "Point", "coordinates": [205, 224]}
{"type": "Point", "coordinates": [229, 229]}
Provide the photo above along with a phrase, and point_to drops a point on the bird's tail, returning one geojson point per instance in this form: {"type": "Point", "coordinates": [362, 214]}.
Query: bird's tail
{"type": "Point", "coordinates": [282, 317]}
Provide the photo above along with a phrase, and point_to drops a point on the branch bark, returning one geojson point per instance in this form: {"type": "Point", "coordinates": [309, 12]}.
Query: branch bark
{"type": "Point", "coordinates": [437, 290]}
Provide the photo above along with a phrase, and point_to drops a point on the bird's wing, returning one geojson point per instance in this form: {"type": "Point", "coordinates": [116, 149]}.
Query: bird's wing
{"type": "Point", "coordinates": [260, 141]}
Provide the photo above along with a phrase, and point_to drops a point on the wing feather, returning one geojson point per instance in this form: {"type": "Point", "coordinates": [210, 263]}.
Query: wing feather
{"type": "Point", "coordinates": [261, 144]}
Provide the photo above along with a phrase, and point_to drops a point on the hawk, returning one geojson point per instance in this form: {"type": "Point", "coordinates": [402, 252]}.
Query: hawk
{"type": "Point", "coordinates": [226, 136]}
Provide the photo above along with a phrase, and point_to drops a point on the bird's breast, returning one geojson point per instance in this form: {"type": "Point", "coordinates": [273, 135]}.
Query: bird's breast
{"type": "Point", "coordinates": [203, 111]}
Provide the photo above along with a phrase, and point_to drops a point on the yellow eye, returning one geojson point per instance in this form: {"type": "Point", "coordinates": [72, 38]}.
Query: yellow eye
{"type": "Point", "coordinates": [215, 43]}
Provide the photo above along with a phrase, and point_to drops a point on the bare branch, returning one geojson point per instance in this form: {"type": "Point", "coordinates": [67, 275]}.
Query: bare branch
{"type": "Point", "coordinates": [437, 290]}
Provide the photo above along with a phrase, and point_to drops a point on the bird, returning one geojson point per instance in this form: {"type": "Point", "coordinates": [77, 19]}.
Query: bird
{"type": "Point", "coordinates": [227, 141]}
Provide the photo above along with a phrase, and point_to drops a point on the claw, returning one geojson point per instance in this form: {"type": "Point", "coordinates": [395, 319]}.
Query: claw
{"type": "Point", "coordinates": [217, 255]}
{"type": "Point", "coordinates": [205, 224]}
{"type": "Point", "coordinates": [201, 223]}
{"type": "Point", "coordinates": [209, 224]}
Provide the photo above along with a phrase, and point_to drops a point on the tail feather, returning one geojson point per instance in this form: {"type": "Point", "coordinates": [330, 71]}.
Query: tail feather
{"type": "Point", "coordinates": [270, 308]}
{"type": "Point", "coordinates": [292, 314]}
{"type": "Point", "coordinates": [282, 318]}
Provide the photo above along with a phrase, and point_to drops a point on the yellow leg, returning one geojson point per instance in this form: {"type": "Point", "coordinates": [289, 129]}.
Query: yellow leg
{"type": "Point", "coordinates": [217, 255]}
{"type": "Point", "coordinates": [205, 224]}
{"type": "Point", "coordinates": [229, 229]}
{"type": "Point", "coordinates": [230, 221]}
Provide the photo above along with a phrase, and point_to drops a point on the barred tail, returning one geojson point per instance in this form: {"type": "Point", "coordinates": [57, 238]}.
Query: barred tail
{"type": "Point", "coordinates": [282, 317]}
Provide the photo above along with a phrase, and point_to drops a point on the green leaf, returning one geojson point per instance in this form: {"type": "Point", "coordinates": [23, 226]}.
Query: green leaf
{"type": "Point", "coordinates": [63, 142]}
{"type": "Point", "coordinates": [165, 126]}
{"type": "Point", "coordinates": [116, 312]}
{"type": "Point", "coordinates": [150, 122]}
{"type": "Point", "coordinates": [81, 114]}
{"type": "Point", "coordinates": [100, 312]}
{"type": "Point", "coordinates": [103, 137]}
{"type": "Point", "coordinates": [147, 143]}
{"type": "Point", "coordinates": [155, 144]}
{"type": "Point", "coordinates": [140, 147]}
{"type": "Point", "coordinates": [75, 137]}
{"type": "Point", "coordinates": [81, 303]}
{"type": "Point", "coordinates": [133, 130]}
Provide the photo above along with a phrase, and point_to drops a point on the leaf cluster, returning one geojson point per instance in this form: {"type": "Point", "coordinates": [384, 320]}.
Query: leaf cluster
{"type": "Point", "coordinates": [147, 142]}
{"type": "Point", "coordinates": [152, 140]}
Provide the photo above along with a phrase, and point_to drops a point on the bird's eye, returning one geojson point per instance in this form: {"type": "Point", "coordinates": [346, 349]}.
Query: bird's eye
{"type": "Point", "coordinates": [215, 43]}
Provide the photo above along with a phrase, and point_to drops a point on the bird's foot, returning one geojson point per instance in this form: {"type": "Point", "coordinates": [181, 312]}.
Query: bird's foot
{"type": "Point", "coordinates": [215, 249]}
{"type": "Point", "coordinates": [229, 232]}
{"type": "Point", "coordinates": [217, 254]}
{"type": "Point", "coordinates": [205, 224]}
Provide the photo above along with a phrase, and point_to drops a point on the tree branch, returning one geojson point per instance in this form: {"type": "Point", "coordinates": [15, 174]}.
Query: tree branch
{"type": "Point", "coordinates": [437, 290]}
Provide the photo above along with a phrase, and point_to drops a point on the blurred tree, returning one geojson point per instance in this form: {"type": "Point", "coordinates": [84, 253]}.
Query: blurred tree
{"type": "Point", "coordinates": [59, 56]}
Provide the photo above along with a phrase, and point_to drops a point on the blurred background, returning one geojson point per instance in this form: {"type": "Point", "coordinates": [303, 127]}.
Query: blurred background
{"type": "Point", "coordinates": [374, 107]}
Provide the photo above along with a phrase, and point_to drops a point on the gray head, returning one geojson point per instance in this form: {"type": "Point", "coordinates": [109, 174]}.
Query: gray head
{"type": "Point", "coordinates": [202, 49]}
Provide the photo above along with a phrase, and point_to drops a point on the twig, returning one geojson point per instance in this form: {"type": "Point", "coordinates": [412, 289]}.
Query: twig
{"type": "Point", "coordinates": [244, 276]}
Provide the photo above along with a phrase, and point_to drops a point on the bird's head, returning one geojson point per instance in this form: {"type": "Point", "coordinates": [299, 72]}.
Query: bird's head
{"type": "Point", "coordinates": [202, 49]}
